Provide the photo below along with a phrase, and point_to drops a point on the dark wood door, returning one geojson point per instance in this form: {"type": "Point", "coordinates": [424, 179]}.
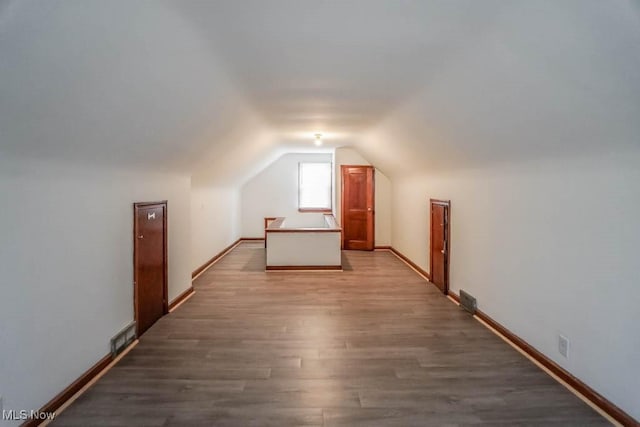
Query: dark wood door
{"type": "Point", "coordinates": [150, 263]}
{"type": "Point", "coordinates": [358, 207]}
{"type": "Point", "coordinates": [440, 246]}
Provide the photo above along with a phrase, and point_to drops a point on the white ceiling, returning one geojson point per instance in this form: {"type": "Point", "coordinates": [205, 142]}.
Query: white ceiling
{"type": "Point", "coordinates": [334, 65]}
{"type": "Point", "coordinates": [219, 88]}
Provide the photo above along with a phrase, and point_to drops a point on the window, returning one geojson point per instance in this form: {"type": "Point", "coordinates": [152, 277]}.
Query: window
{"type": "Point", "coordinates": [314, 187]}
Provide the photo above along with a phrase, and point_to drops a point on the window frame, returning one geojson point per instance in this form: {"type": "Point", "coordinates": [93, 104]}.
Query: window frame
{"type": "Point", "coordinates": [316, 209]}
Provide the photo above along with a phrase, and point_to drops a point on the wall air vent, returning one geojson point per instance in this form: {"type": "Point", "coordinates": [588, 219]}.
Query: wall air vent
{"type": "Point", "coordinates": [468, 302]}
{"type": "Point", "coordinates": [123, 338]}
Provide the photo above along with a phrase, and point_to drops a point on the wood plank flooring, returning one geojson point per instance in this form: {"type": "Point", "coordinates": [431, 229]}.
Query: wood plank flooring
{"type": "Point", "coordinates": [373, 345]}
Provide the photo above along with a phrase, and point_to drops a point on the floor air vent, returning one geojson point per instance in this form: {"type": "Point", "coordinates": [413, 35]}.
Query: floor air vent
{"type": "Point", "coordinates": [123, 339]}
{"type": "Point", "coordinates": [468, 302]}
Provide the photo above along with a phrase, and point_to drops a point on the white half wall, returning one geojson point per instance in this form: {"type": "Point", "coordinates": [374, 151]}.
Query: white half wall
{"type": "Point", "coordinates": [546, 247]}
{"type": "Point", "coordinates": [274, 192]}
{"type": "Point", "coordinates": [304, 248]}
{"type": "Point", "coordinates": [67, 271]}
{"type": "Point", "coordinates": [215, 222]}
{"type": "Point", "coordinates": [382, 194]}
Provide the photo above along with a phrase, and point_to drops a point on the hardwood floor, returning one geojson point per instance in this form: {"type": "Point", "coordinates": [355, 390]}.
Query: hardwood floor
{"type": "Point", "coordinates": [373, 345]}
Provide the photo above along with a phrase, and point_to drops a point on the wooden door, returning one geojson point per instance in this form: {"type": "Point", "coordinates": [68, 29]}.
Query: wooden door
{"type": "Point", "coordinates": [149, 263]}
{"type": "Point", "coordinates": [358, 207]}
{"type": "Point", "coordinates": [440, 244]}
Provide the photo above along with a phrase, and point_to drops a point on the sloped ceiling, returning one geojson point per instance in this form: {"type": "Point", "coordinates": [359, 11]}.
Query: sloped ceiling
{"type": "Point", "coordinates": [219, 88]}
{"type": "Point", "coordinates": [557, 78]}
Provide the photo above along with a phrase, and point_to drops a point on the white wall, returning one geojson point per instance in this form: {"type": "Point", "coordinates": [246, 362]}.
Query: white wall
{"type": "Point", "coordinates": [215, 222]}
{"type": "Point", "coordinates": [274, 192]}
{"type": "Point", "coordinates": [305, 249]}
{"type": "Point", "coordinates": [66, 267]}
{"type": "Point", "coordinates": [382, 193]}
{"type": "Point", "coordinates": [547, 247]}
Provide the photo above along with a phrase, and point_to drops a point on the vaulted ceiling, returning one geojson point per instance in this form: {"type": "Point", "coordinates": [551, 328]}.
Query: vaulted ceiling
{"type": "Point", "coordinates": [219, 88]}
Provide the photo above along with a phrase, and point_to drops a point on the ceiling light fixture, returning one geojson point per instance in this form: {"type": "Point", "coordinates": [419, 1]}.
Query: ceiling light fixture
{"type": "Point", "coordinates": [318, 141]}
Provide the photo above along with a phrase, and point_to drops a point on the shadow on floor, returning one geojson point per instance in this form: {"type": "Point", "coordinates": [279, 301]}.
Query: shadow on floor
{"type": "Point", "coordinates": [257, 262]}
{"type": "Point", "coordinates": [346, 265]}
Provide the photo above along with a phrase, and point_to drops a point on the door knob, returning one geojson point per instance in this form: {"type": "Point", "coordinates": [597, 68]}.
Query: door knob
{"type": "Point", "coordinates": [141, 237]}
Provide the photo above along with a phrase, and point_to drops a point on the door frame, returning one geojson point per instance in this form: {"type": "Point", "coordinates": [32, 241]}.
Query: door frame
{"type": "Point", "coordinates": [165, 292]}
{"type": "Point", "coordinates": [447, 204]}
{"type": "Point", "coordinates": [373, 202]}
